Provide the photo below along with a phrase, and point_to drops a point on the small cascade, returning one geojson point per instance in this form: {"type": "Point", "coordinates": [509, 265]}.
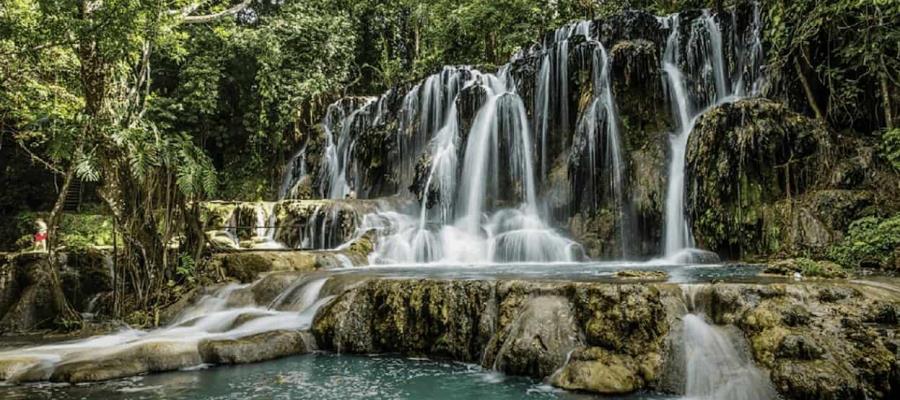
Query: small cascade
{"type": "Point", "coordinates": [716, 368]}
{"type": "Point", "coordinates": [339, 146]}
{"type": "Point", "coordinates": [698, 77]}
{"type": "Point", "coordinates": [300, 296]}
{"type": "Point", "coordinates": [293, 174]}
{"type": "Point", "coordinates": [230, 230]}
{"type": "Point", "coordinates": [226, 313]}
{"type": "Point", "coordinates": [266, 225]}
{"type": "Point", "coordinates": [552, 85]}
{"type": "Point", "coordinates": [323, 228]}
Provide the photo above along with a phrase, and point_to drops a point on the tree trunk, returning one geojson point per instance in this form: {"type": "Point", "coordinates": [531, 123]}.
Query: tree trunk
{"type": "Point", "coordinates": [807, 89]}
{"type": "Point", "coordinates": [886, 102]}
{"type": "Point", "coordinates": [66, 312]}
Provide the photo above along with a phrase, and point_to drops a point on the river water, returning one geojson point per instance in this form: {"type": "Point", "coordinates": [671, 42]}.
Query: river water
{"type": "Point", "coordinates": [315, 376]}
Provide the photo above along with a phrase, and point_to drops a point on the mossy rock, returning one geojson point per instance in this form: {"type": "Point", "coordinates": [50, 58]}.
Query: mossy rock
{"type": "Point", "coordinates": [806, 268]}
{"type": "Point", "coordinates": [597, 370]}
{"type": "Point", "coordinates": [742, 159]}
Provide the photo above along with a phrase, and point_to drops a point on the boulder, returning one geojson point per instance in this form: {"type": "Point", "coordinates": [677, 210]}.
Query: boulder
{"type": "Point", "coordinates": [139, 358]}
{"type": "Point", "coordinates": [742, 158]}
{"type": "Point", "coordinates": [799, 347]}
{"type": "Point", "coordinates": [13, 366]}
{"type": "Point", "coordinates": [597, 370]}
{"type": "Point", "coordinates": [539, 339]}
{"type": "Point", "coordinates": [253, 348]}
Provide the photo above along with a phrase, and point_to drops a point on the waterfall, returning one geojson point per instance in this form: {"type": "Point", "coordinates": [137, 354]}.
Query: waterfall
{"type": "Point", "coordinates": [295, 171]}
{"type": "Point", "coordinates": [552, 83]}
{"type": "Point", "coordinates": [696, 78]}
{"type": "Point", "coordinates": [716, 369]}
{"type": "Point", "coordinates": [468, 191]}
{"type": "Point", "coordinates": [602, 113]}
{"type": "Point", "coordinates": [266, 225]}
{"type": "Point", "coordinates": [477, 154]}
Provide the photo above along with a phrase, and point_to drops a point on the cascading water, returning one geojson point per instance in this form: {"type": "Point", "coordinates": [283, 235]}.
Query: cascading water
{"type": "Point", "coordinates": [266, 225]}
{"type": "Point", "coordinates": [478, 161]}
{"type": "Point", "coordinates": [553, 84]}
{"type": "Point", "coordinates": [715, 367]}
{"type": "Point", "coordinates": [507, 235]}
{"type": "Point", "coordinates": [339, 149]}
{"type": "Point", "coordinates": [607, 167]}
{"type": "Point", "coordinates": [224, 314]}
{"type": "Point", "coordinates": [696, 79]}
{"type": "Point", "coordinates": [295, 171]}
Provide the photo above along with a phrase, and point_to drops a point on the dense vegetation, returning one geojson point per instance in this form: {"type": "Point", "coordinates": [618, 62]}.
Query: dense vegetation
{"type": "Point", "coordinates": [157, 104]}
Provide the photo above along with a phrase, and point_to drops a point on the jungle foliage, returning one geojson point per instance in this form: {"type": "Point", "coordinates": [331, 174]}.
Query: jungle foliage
{"type": "Point", "coordinates": [871, 242]}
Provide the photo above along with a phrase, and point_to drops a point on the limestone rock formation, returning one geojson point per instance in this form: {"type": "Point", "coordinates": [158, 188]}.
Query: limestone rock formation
{"type": "Point", "coordinates": [253, 348]}
{"type": "Point", "coordinates": [818, 340]}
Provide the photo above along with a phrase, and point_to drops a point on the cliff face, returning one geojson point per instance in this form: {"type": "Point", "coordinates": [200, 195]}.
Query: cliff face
{"type": "Point", "coordinates": [766, 181]}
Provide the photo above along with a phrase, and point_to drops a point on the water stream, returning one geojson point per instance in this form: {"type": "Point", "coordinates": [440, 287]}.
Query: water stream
{"type": "Point", "coordinates": [225, 313]}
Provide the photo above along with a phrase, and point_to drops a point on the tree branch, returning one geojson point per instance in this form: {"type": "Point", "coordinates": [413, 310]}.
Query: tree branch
{"type": "Point", "coordinates": [189, 9]}
{"type": "Point", "coordinates": [34, 157]}
{"type": "Point", "coordinates": [200, 19]}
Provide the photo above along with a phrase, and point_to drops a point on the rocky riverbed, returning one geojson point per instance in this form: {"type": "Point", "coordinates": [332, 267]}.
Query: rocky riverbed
{"type": "Point", "coordinates": [620, 335]}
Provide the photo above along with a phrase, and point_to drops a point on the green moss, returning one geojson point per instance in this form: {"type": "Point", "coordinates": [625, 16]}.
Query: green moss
{"type": "Point", "coordinates": [807, 267]}
{"type": "Point", "coordinates": [743, 160]}
{"type": "Point", "coordinates": [890, 147]}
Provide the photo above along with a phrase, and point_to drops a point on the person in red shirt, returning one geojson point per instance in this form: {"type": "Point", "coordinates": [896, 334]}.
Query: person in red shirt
{"type": "Point", "coordinates": [40, 238]}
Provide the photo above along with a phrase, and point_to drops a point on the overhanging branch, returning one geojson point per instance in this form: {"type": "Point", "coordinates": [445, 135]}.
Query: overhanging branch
{"type": "Point", "coordinates": [200, 19]}
{"type": "Point", "coordinates": [45, 163]}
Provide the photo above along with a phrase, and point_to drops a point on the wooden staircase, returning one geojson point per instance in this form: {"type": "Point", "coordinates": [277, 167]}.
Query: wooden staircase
{"type": "Point", "coordinates": [73, 196]}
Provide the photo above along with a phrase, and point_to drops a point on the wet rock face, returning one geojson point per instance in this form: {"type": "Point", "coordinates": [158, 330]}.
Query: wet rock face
{"type": "Point", "coordinates": [817, 340]}
{"type": "Point", "coordinates": [763, 180]}
{"type": "Point", "coordinates": [597, 370]}
{"type": "Point", "coordinates": [438, 318]}
{"type": "Point", "coordinates": [742, 159]}
{"type": "Point", "coordinates": [539, 339]}
{"type": "Point", "coordinates": [522, 328]}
